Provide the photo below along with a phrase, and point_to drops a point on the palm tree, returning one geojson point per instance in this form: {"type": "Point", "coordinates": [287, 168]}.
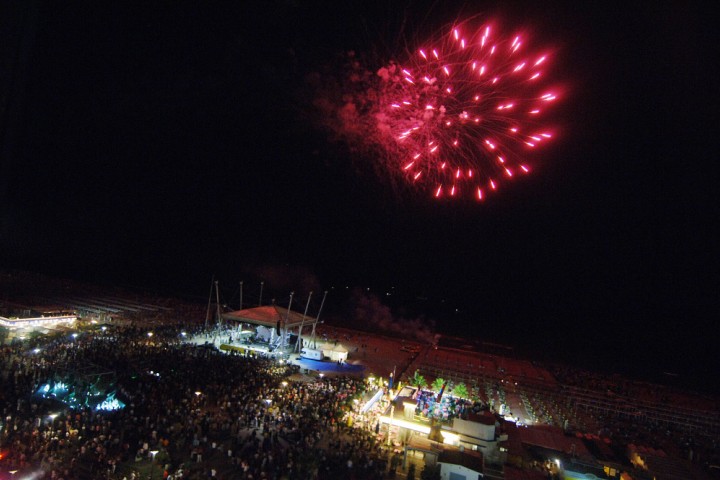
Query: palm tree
{"type": "Point", "coordinates": [438, 384]}
{"type": "Point", "coordinates": [460, 390]}
{"type": "Point", "coordinates": [418, 380]}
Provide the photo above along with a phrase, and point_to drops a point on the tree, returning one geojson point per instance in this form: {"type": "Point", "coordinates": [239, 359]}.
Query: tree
{"type": "Point", "coordinates": [418, 380]}
{"type": "Point", "coordinates": [460, 390]}
{"type": "Point", "coordinates": [438, 384]}
{"type": "Point", "coordinates": [430, 472]}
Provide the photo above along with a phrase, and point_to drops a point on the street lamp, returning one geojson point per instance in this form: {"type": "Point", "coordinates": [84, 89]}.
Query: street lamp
{"type": "Point", "coordinates": [152, 462]}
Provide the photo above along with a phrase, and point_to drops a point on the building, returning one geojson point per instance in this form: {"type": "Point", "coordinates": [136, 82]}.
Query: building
{"type": "Point", "coordinates": [23, 320]}
{"type": "Point", "coordinates": [460, 465]}
{"type": "Point", "coordinates": [460, 445]}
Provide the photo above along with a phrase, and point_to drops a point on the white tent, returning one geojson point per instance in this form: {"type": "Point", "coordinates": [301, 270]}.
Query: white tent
{"type": "Point", "coordinates": [335, 352]}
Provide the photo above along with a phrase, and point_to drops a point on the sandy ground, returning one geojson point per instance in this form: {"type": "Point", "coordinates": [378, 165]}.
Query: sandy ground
{"type": "Point", "coordinates": [379, 354]}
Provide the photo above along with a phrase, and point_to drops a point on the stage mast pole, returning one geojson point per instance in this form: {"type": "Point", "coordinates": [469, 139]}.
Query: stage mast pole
{"type": "Point", "coordinates": [287, 317]}
{"type": "Point", "coordinates": [317, 319]}
{"type": "Point", "coordinates": [207, 312]}
{"type": "Point", "coordinates": [302, 323]}
{"type": "Point", "coordinates": [217, 299]}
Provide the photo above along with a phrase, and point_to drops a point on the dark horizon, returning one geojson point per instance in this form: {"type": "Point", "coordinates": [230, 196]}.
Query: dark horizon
{"type": "Point", "coordinates": [158, 148]}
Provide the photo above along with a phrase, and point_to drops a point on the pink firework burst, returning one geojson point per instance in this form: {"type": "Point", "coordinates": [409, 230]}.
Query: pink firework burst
{"type": "Point", "coordinates": [462, 114]}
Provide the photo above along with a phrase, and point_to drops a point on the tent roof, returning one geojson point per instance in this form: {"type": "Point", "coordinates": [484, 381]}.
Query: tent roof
{"type": "Point", "coordinates": [552, 438]}
{"type": "Point", "coordinates": [268, 316]}
{"type": "Point", "coordinates": [472, 461]}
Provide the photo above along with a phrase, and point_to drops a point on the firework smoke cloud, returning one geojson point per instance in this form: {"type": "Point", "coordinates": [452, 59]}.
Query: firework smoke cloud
{"type": "Point", "coordinates": [458, 116]}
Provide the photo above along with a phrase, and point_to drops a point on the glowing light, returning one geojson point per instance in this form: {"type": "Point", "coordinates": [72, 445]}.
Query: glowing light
{"type": "Point", "coordinates": [110, 404]}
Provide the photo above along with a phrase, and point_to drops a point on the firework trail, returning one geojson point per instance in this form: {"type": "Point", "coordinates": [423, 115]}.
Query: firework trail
{"type": "Point", "coordinates": [460, 115]}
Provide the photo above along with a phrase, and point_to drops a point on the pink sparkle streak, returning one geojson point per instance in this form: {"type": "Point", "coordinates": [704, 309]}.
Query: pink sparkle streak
{"type": "Point", "coordinates": [459, 112]}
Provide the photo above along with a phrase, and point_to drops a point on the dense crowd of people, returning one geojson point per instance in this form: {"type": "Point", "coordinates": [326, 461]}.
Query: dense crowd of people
{"type": "Point", "coordinates": [193, 412]}
{"type": "Point", "coordinates": [430, 405]}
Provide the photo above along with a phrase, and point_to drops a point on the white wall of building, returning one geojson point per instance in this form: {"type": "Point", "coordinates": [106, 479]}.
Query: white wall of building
{"type": "Point", "coordinates": [450, 471]}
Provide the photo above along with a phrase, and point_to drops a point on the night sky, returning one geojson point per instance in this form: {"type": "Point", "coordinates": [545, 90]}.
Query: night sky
{"type": "Point", "coordinates": [159, 145]}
